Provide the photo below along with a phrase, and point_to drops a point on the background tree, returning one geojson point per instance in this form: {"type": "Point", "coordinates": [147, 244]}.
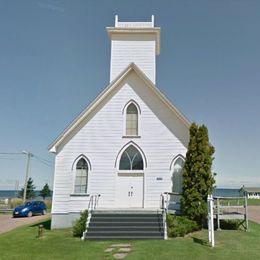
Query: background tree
{"type": "Point", "coordinates": [45, 192]}
{"type": "Point", "coordinates": [198, 179]}
{"type": "Point", "coordinates": [30, 192]}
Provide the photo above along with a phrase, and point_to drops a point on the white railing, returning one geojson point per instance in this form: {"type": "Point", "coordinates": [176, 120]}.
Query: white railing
{"type": "Point", "coordinates": [172, 199]}
{"type": "Point", "coordinates": [163, 206]}
{"type": "Point", "coordinates": [211, 237]}
{"type": "Point", "coordinates": [134, 24]}
{"type": "Point", "coordinates": [92, 204]}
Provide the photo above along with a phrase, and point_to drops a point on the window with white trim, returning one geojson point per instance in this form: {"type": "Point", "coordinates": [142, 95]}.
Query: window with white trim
{"type": "Point", "coordinates": [81, 178]}
{"type": "Point", "coordinates": [131, 120]}
{"type": "Point", "coordinates": [131, 160]}
{"type": "Point", "coordinates": [177, 175]}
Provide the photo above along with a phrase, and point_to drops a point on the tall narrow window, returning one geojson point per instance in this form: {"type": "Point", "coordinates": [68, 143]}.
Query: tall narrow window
{"type": "Point", "coordinates": [177, 175]}
{"type": "Point", "coordinates": [131, 160]}
{"type": "Point", "coordinates": [81, 179]}
{"type": "Point", "coordinates": [131, 120]}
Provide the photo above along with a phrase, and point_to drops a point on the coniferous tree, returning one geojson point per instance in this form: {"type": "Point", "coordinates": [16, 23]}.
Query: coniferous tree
{"type": "Point", "coordinates": [30, 191]}
{"type": "Point", "coordinates": [198, 179]}
{"type": "Point", "coordinates": [45, 192]}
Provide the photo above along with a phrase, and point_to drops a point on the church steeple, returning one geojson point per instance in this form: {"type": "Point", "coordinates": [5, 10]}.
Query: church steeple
{"type": "Point", "coordinates": [137, 42]}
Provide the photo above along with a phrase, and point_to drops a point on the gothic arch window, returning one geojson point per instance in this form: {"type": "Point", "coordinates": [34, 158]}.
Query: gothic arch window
{"type": "Point", "coordinates": [177, 175]}
{"type": "Point", "coordinates": [131, 126]}
{"type": "Point", "coordinates": [81, 176]}
{"type": "Point", "coordinates": [131, 160]}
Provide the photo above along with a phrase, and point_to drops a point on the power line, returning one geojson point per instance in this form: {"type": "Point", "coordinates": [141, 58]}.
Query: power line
{"type": "Point", "coordinates": [38, 158]}
{"type": "Point", "coordinates": [10, 153]}
{"type": "Point", "coordinates": [11, 159]}
{"type": "Point", "coordinates": [43, 162]}
{"type": "Point", "coordinates": [47, 161]}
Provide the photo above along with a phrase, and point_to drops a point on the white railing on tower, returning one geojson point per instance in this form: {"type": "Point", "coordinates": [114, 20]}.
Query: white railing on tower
{"type": "Point", "coordinates": [134, 24]}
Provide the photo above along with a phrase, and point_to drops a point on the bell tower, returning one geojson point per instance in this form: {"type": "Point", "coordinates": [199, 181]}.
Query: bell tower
{"type": "Point", "coordinates": [134, 42]}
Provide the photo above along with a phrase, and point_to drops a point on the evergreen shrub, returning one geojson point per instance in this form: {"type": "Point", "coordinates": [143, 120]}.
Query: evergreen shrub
{"type": "Point", "coordinates": [230, 224]}
{"type": "Point", "coordinates": [198, 180]}
{"type": "Point", "coordinates": [80, 224]}
{"type": "Point", "coordinates": [178, 226]}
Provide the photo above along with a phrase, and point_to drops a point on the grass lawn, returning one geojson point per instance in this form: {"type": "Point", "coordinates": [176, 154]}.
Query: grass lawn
{"type": "Point", "coordinates": [250, 202]}
{"type": "Point", "coordinates": [22, 243]}
{"type": "Point", "coordinates": [253, 202]}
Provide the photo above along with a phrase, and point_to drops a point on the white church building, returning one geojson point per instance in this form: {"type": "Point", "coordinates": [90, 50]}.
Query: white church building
{"type": "Point", "coordinates": [129, 144]}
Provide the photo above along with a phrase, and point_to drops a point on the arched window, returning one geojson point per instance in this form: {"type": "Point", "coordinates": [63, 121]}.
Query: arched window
{"type": "Point", "coordinates": [81, 178]}
{"type": "Point", "coordinates": [131, 120]}
{"type": "Point", "coordinates": [131, 160]}
{"type": "Point", "coordinates": [177, 175]}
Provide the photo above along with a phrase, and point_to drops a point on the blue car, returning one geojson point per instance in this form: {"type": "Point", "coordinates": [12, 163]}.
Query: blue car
{"type": "Point", "coordinates": [29, 209]}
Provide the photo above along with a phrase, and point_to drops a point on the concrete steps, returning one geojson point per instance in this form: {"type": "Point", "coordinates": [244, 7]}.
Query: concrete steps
{"type": "Point", "coordinates": [125, 225]}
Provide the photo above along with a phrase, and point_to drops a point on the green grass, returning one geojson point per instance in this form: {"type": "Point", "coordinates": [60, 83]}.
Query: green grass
{"type": "Point", "coordinates": [250, 202]}
{"type": "Point", "coordinates": [22, 243]}
{"type": "Point", "coordinates": [253, 202]}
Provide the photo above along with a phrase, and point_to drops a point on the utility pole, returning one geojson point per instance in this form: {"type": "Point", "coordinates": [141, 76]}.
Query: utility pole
{"type": "Point", "coordinates": [29, 155]}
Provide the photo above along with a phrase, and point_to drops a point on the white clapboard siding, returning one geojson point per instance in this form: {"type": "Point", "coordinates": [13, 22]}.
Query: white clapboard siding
{"type": "Point", "coordinates": [162, 137]}
{"type": "Point", "coordinates": [139, 49]}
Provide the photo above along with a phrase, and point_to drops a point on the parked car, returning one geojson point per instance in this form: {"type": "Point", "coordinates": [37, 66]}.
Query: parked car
{"type": "Point", "coordinates": [29, 209]}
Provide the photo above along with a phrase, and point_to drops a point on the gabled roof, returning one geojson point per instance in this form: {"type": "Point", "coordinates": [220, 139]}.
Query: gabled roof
{"type": "Point", "coordinates": [91, 107]}
{"type": "Point", "coordinates": [251, 189]}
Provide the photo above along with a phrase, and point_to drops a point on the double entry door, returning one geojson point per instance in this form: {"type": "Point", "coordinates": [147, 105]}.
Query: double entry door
{"type": "Point", "coordinates": [129, 191]}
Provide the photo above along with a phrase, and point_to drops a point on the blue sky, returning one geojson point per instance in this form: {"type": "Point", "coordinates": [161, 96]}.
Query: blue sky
{"type": "Point", "coordinates": [54, 60]}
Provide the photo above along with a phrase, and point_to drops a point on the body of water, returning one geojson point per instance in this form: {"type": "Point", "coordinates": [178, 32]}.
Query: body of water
{"type": "Point", "coordinates": [227, 192]}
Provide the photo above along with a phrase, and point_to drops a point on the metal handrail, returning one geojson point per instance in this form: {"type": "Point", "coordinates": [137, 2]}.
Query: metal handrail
{"type": "Point", "coordinates": [173, 193]}
{"type": "Point", "coordinates": [92, 204]}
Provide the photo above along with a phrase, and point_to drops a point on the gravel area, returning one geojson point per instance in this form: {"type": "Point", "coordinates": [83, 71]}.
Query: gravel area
{"type": "Point", "coordinates": [254, 213]}
{"type": "Point", "coordinates": [7, 222]}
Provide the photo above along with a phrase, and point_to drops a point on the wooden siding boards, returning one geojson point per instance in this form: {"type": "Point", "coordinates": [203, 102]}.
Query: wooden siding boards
{"type": "Point", "coordinates": [163, 136]}
{"type": "Point", "coordinates": [133, 48]}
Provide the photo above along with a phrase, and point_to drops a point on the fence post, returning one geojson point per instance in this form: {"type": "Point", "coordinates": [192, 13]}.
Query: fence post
{"type": "Point", "coordinates": [218, 213]}
{"type": "Point", "coordinates": [209, 225]}
{"type": "Point", "coordinates": [246, 213]}
{"type": "Point", "coordinates": [211, 221]}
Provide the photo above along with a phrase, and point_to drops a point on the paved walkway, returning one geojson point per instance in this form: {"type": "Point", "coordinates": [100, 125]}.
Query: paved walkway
{"type": "Point", "coordinates": [7, 222]}
{"type": "Point", "coordinates": [254, 213]}
{"type": "Point", "coordinates": [119, 251]}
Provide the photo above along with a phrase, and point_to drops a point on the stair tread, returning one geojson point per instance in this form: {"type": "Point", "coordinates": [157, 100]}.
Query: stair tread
{"type": "Point", "coordinates": [117, 227]}
{"type": "Point", "coordinates": [125, 225]}
{"type": "Point", "coordinates": [120, 231]}
{"type": "Point", "coordinates": [123, 237]}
